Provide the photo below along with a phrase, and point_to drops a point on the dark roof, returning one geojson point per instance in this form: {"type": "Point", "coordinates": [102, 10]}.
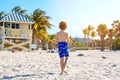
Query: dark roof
{"type": "Point", "coordinates": [15, 17]}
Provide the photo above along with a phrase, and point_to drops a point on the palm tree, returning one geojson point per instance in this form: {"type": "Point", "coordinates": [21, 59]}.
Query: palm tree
{"type": "Point", "coordinates": [102, 31]}
{"type": "Point", "coordinates": [41, 19]}
{"type": "Point", "coordinates": [2, 14]}
{"type": "Point", "coordinates": [116, 27]}
{"type": "Point", "coordinates": [19, 10]}
{"type": "Point", "coordinates": [90, 28]}
{"type": "Point", "coordinates": [41, 24]}
{"type": "Point", "coordinates": [93, 34]}
{"type": "Point", "coordinates": [85, 32]}
{"type": "Point", "coordinates": [111, 33]}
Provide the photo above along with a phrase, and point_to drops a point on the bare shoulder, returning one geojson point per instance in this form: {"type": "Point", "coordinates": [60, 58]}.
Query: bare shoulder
{"type": "Point", "coordinates": [66, 33]}
{"type": "Point", "coordinates": [57, 33]}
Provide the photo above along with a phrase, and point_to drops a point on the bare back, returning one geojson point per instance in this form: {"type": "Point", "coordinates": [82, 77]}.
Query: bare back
{"type": "Point", "coordinates": [62, 37]}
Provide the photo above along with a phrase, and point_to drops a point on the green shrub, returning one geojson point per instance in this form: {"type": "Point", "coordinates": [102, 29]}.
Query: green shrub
{"type": "Point", "coordinates": [117, 44]}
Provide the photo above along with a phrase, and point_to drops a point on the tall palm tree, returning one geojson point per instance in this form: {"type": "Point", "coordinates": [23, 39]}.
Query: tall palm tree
{"type": "Point", "coordinates": [41, 19]}
{"type": "Point", "coordinates": [102, 32]}
{"type": "Point", "coordinates": [43, 37]}
{"type": "Point", "coordinates": [111, 33]}
{"type": "Point", "coordinates": [85, 32]}
{"type": "Point", "coordinates": [93, 34]}
{"type": "Point", "coordinates": [19, 10]}
{"type": "Point", "coordinates": [90, 29]}
{"type": "Point", "coordinates": [41, 24]}
{"type": "Point", "coordinates": [116, 27]}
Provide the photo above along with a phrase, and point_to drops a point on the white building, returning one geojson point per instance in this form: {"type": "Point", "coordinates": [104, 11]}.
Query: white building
{"type": "Point", "coordinates": [15, 32]}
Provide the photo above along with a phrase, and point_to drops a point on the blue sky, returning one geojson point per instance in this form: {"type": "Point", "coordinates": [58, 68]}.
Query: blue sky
{"type": "Point", "coordinates": [77, 13]}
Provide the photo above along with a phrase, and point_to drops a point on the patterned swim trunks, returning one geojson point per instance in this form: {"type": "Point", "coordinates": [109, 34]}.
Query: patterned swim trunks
{"type": "Point", "coordinates": [63, 49]}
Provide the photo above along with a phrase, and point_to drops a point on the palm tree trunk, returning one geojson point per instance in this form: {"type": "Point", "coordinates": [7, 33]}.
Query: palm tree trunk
{"type": "Point", "coordinates": [110, 44]}
{"type": "Point", "coordinates": [85, 40]}
{"type": "Point", "coordinates": [43, 45]}
{"type": "Point", "coordinates": [34, 40]}
{"type": "Point", "coordinates": [102, 44]}
{"type": "Point", "coordinates": [92, 42]}
{"type": "Point", "coordinates": [88, 41]}
{"type": "Point", "coordinates": [115, 44]}
{"type": "Point", "coordinates": [33, 36]}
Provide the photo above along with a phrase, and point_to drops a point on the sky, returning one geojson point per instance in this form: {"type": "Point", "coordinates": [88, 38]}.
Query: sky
{"type": "Point", "coordinates": [78, 14]}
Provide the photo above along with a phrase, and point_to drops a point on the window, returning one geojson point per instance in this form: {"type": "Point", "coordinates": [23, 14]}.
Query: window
{"type": "Point", "coordinates": [30, 26]}
{"type": "Point", "coordinates": [16, 26]}
{"type": "Point", "coordinates": [13, 25]}
{"type": "Point", "coordinates": [7, 25]}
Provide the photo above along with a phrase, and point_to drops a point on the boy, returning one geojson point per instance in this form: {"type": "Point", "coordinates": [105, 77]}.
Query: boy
{"type": "Point", "coordinates": [63, 40]}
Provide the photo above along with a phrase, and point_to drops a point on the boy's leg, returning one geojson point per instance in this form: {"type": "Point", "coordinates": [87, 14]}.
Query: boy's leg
{"type": "Point", "coordinates": [65, 63]}
{"type": "Point", "coordinates": [62, 65]}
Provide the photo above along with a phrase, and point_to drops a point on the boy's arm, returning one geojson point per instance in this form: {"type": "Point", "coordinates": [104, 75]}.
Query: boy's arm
{"type": "Point", "coordinates": [68, 40]}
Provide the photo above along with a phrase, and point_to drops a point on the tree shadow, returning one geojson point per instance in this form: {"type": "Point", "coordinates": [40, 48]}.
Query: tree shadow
{"type": "Point", "coordinates": [16, 76]}
{"type": "Point", "coordinates": [23, 76]}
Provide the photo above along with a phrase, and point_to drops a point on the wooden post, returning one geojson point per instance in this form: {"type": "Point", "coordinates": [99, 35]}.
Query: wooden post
{"type": "Point", "coordinates": [3, 37]}
{"type": "Point", "coordinates": [30, 43]}
{"type": "Point", "coordinates": [3, 42]}
{"type": "Point", "coordinates": [30, 37]}
{"type": "Point", "coordinates": [3, 28]}
{"type": "Point", "coordinates": [30, 26]}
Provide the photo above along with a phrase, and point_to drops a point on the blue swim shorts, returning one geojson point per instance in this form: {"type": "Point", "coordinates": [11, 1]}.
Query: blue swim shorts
{"type": "Point", "coordinates": [63, 49]}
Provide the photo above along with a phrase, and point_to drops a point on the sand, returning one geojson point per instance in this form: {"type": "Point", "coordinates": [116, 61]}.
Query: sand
{"type": "Point", "coordinates": [82, 65]}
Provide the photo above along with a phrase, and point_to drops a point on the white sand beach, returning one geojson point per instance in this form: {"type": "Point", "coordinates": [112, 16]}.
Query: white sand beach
{"type": "Point", "coordinates": [82, 65]}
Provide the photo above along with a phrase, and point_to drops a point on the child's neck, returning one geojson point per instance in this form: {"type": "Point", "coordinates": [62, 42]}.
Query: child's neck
{"type": "Point", "coordinates": [62, 30]}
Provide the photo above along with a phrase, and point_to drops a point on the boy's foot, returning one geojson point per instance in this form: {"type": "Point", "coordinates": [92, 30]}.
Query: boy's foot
{"type": "Point", "coordinates": [65, 72]}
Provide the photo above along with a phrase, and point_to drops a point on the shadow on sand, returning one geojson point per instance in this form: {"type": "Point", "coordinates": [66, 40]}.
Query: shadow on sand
{"type": "Point", "coordinates": [16, 76]}
{"type": "Point", "coordinates": [24, 76]}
